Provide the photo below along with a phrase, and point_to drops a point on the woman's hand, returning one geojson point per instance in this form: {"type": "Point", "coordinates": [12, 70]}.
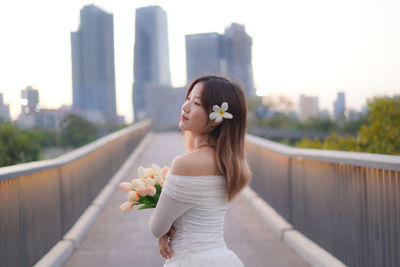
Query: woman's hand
{"type": "Point", "coordinates": [163, 242]}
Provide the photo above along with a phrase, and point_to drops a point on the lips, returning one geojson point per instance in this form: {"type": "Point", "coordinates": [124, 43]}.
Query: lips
{"type": "Point", "coordinates": [184, 118]}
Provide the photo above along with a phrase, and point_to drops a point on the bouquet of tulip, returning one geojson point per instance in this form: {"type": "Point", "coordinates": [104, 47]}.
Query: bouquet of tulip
{"type": "Point", "coordinates": [146, 189]}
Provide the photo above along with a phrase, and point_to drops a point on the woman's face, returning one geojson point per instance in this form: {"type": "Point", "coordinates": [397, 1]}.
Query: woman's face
{"type": "Point", "coordinates": [194, 118]}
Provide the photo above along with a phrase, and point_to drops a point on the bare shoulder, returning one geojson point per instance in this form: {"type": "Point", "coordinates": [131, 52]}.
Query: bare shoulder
{"type": "Point", "coordinates": [181, 165]}
{"type": "Point", "coordinates": [194, 164]}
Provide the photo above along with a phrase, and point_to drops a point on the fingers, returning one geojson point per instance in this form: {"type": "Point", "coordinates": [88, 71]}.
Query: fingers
{"type": "Point", "coordinates": [172, 231]}
{"type": "Point", "coordinates": [165, 249]}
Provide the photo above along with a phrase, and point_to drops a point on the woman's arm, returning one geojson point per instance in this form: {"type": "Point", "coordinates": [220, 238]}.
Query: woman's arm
{"type": "Point", "coordinates": [164, 215]}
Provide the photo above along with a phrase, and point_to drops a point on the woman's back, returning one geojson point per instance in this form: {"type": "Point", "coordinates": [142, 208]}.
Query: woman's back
{"type": "Point", "coordinates": [201, 226]}
{"type": "Point", "coordinates": [199, 239]}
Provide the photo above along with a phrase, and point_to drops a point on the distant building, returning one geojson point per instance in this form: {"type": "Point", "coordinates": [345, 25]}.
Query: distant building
{"type": "Point", "coordinates": [93, 70]}
{"type": "Point", "coordinates": [237, 53]}
{"type": "Point", "coordinates": [324, 114]}
{"type": "Point", "coordinates": [339, 106]}
{"type": "Point", "coordinates": [164, 105]}
{"type": "Point", "coordinates": [204, 55]}
{"type": "Point", "coordinates": [29, 108]}
{"type": "Point", "coordinates": [50, 119]}
{"type": "Point", "coordinates": [308, 107]}
{"type": "Point", "coordinates": [30, 100]}
{"type": "Point", "coordinates": [4, 109]}
{"type": "Point", "coordinates": [228, 55]}
{"type": "Point", "coordinates": [151, 55]}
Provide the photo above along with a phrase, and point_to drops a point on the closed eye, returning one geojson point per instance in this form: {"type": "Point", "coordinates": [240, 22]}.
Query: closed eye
{"type": "Point", "coordinates": [196, 103]}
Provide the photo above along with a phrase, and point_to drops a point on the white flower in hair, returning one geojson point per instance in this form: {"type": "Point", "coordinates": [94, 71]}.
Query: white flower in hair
{"type": "Point", "coordinates": [220, 112]}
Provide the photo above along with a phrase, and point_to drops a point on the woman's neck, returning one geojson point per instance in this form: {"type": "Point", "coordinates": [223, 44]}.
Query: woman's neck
{"type": "Point", "coordinates": [199, 141]}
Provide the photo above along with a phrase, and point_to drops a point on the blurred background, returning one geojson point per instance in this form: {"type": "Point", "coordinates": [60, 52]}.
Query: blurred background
{"type": "Point", "coordinates": [320, 74]}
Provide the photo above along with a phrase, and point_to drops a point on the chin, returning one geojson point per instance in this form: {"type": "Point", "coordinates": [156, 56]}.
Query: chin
{"type": "Point", "coordinates": [181, 126]}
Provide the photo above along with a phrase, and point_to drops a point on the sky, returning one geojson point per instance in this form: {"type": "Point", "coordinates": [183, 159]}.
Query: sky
{"type": "Point", "coordinates": [312, 47]}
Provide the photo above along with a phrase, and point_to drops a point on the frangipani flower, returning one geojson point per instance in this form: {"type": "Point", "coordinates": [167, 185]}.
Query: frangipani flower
{"type": "Point", "coordinates": [220, 112]}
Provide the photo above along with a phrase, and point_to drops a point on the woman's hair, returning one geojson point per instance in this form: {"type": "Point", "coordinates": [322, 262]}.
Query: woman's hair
{"type": "Point", "coordinates": [228, 137]}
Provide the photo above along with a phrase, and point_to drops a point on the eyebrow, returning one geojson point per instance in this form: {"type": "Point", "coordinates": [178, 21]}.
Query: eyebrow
{"type": "Point", "coordinates": [196, 96]}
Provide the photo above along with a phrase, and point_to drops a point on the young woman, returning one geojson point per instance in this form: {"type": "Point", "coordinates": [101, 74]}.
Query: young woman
{"type": "Point", "coordinates": [189, 217]}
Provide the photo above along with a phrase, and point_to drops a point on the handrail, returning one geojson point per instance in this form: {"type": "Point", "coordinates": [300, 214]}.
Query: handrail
{"type": "Point", "coordinates": [35, 166]}
{"type": "Point", "coordinates": [346, 202]}
{"type": "Point", "coordinates": [387, 162]}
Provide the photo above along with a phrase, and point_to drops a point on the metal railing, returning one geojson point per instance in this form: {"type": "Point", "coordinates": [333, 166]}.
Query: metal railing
{"type": "Point", "coordinates": [40, 201]}
{"type": "Point", "coordinates": [346, 202]}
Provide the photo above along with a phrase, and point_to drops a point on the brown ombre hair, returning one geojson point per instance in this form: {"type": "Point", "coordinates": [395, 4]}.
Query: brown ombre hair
{"type": "Point", "coordinates": [228, 137]}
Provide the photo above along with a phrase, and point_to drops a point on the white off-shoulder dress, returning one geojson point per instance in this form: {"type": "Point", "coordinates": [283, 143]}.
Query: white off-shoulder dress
{"type": "Point", "coordinates": [196, 207]}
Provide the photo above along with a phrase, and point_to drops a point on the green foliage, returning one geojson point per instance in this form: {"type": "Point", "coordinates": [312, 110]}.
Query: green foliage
{"type": "Point", "coordinates": [379, 131]}
{"type": "Point", "coordinates": [280, 121]}
{"type": "Point", "coordinates": [346, 126]}
{"type": "Point", "coordinates": [317, 124]}
{"type": "Point", "coordinates": [310, 143]}
{"type": "Point", "coordinates": [76, 131]}
{"type": "Point", "coordinates": [17, 146]}
{"type": "Point", "coordinates": [381, 134]}
{"type": "Point", "coordinates": [337, 142]}
{"type": "Point", "coordinates": [47, 138]}
{"type": "Point", "coordinates": [332, 142]}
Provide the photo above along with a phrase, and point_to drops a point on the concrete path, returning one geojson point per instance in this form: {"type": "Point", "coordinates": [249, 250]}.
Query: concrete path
{"type": "Point", "coordinates": [118, 239]}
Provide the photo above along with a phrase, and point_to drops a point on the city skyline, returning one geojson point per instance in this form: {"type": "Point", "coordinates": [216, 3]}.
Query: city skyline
{"type": "Point", "coordinates": [312, 47]}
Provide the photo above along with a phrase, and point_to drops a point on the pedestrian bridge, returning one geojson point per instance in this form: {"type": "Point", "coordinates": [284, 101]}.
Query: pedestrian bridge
{"type": "Point", "coordinates": [309, 207]}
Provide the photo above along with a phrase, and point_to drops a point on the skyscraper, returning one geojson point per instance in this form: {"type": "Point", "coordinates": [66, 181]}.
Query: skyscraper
{"type": "Point", "coordinates": [93, 70]}
{"type": "Point", "coordinates": [4, 109]}
{"type": "Point", "coordinates": [204, 55]}
{"type": "Point", "coordinates": [30, 100]}
{"type": "Point", "coordinates": [309, 107]}
{"type": "Point", "coordinates": [339, 106]}
{"type": "Point", "coordinates": [228, 54]}
{"type": "Point", "coordinates": [151, 54]}
{"type": "Point", "coordinates": [237, 50]}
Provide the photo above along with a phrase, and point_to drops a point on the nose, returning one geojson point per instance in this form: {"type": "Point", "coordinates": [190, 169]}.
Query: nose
{"type": "Point", "coordinates": [185, 107]}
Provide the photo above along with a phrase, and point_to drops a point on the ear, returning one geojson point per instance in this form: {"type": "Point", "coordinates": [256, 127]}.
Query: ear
{"type": "Point", "coordinates": [214, 124]}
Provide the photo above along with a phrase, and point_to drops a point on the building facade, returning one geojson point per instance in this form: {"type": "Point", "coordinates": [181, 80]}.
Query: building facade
{"type": "Point", "coordinates": [308, 107]}
{"type": "Point", "coordinates": [237, 53]}
{"type": "Point", "coordinates": [151, 55]}
{"type": "Point", "coordinates": [4, 109]}
{"type": "Point", "coordinates": [30, 101]}
{"type": "Point", "coordinates": [93, 70]}
{"type": "Point", "coordinates": [228, 55]}
{"type": "Point", "coordinates": [204, 55]}
{"type": "Point", "coordinates": [339, 106]}
{"type": "Point", "coordinates": [164, 105]}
